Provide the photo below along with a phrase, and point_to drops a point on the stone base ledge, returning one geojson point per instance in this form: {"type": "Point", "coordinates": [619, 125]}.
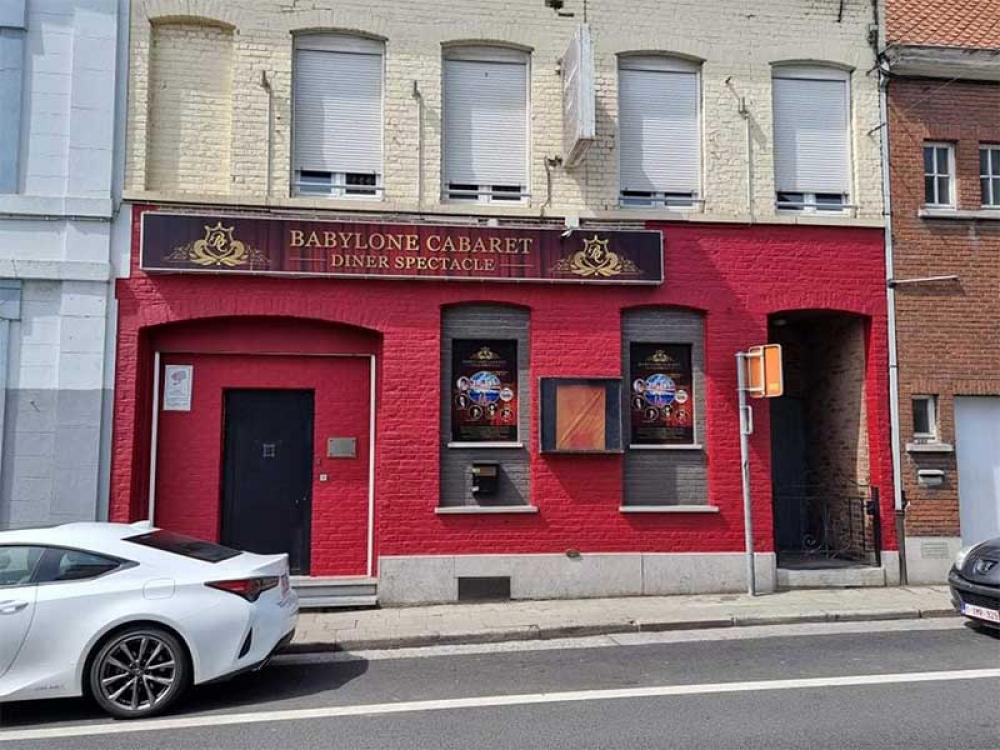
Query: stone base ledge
{"type": "Point", "coordinates": [408, 580]}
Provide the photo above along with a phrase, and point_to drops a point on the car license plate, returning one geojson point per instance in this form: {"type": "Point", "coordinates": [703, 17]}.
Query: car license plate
{"type": "Point", "coordinates": [285, 587]}
{"type": "Point", "coordinates": [981, 613]}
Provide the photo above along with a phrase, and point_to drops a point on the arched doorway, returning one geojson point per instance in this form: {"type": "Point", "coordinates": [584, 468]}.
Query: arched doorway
{"type": "Point", "coordinates": [820, 469]}
{"type": "Point", "coordinates": [261, 438]}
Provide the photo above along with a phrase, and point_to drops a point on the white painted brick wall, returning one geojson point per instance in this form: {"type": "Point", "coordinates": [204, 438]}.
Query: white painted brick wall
{"type": "Point", "coordinates": [738, 42]}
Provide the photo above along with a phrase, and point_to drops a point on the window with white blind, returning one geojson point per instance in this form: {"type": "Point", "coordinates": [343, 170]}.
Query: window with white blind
{"type": "Point", "coordinates": [989, 175]}
{"type": "Point", "coordinates": [659, 142]}
{"type": "Point", "coordinates": [485, 124]}
{"type": "Point", "coordinates": [337, 115]}
{"type": "Point", "coordinates": [812, 133]}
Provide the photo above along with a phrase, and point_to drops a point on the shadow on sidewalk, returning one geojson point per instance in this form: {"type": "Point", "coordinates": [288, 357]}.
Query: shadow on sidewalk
{"type": "Point", "coordinates": [275, 684]}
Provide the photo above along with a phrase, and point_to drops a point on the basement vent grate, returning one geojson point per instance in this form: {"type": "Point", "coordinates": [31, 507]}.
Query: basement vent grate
{"type": "Point", "coordinates": [480, 589]}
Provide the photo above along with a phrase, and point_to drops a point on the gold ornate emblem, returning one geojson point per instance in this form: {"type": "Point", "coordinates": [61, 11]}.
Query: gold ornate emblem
{"type": "Point", "coordinates": [659, 357]}
{"type": "Point", "coordinates": [485, 354]}
{"type": "Point", "coordinates": [218, 248]}
{"type": "Point", "coordinates": [596, 259]}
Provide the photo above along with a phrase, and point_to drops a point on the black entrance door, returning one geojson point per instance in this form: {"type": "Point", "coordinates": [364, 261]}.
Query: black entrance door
{"type": "Point", "coordinates": [268, 474]}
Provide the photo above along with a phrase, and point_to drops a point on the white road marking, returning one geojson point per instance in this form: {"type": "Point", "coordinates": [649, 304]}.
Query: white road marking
{"type": "Point", "coordinates": [489, 701]}
{"type": "Point", "coordinates": [627, 639]}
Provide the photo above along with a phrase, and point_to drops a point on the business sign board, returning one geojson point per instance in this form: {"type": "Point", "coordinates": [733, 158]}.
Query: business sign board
{"type": "Point", "coordinates": [193, 243]}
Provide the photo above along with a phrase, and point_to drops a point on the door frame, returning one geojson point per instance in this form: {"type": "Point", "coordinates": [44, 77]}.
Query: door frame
{"type": "Point", "coordinates": [154, 429]}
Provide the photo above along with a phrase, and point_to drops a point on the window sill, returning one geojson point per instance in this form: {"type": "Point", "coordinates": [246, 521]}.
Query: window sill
{"type": "Point", "coordinates": [486, 510]}
{"type": "Point", "coordinates": [934, 447]}
{"type": "Point", "coordinates": [486, 445]}
{"type": "Point", "coordinates": [691, 447]}
{"type": "Point", "coordinates": [954, 214]}
{"type": "Point", "coordinates": [668, 509]}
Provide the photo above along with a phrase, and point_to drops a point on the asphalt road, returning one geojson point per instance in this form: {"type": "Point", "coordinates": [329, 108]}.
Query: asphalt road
{"type": "Point", "coordinates": [925, 684]}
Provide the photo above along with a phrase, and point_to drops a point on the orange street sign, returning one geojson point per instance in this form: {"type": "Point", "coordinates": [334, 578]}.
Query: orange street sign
{"type": "Point", "coordinates": [765, 378]}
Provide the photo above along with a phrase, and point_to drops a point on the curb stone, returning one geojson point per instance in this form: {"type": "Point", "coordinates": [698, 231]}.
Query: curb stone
{"type": "Point", "coordinates": [536, 632]}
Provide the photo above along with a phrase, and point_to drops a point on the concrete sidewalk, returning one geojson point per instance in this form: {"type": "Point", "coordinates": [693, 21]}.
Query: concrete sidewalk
{"type": "Point", "coordinates": [524, 620]}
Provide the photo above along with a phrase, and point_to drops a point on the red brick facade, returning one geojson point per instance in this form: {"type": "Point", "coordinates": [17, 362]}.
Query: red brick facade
{"type": "Point", "coordinates": [947, 341]}
{"type": "Point", "coordinates": [947, 330]}
{"type": "Point", "coordinates": [736, 275]}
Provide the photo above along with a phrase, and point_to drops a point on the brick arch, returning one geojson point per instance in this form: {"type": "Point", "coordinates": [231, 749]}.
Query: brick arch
{"type": "Point", "coordinates": [340, 21]}
{"type": "Point", "coordinates": [843, 67]}
{"type": "Point", "coordinates": [487, 42]}
{"type": "Point", "coordinates": [807, 299]}
{"type": "Point", "coordinates": [659, 52]}
{"type": "Point", "coordinates": [263, 333]}
{"type": "Point", "coordinates": [485, 301]}
{"type": "Point", "coordinates": [664, 306]}
{"type": "Point", "coordinates": [341, 30]}
{"type": "Point", "coordinates": [208, 12]}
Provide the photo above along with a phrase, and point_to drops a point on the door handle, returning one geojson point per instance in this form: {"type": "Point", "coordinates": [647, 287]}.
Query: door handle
{"type": "Point", "coordinates": [11, 607]}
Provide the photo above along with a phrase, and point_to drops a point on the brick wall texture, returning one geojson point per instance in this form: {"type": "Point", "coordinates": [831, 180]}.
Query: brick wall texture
{"type": "Point", "coordinates": [248, 40]}
{"type": "Point", "coordinates": [734, 276]}
{"type": "Point", "coordinates": [190, 120]}
{"type": "Point", "coordinates": [947, 331]}
{"type": "Point", "coordinates": [728, 273]}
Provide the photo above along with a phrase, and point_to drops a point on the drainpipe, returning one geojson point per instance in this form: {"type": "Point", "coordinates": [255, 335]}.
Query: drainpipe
{"type": "Point", "coordinates": [744, 112]}
{"type": "Point", "coordinates": [897, 469]}
{"type": "Point", "coordinates": [266, 85]}
{"type": "Point", "coordinates": [419, 98]}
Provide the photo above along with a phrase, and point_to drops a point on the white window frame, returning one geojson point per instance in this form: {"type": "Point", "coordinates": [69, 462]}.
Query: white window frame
{"type": "Point", "coordinates": [338, 184]}
{"type": "Point", "coordinates": [950, 147]}
{"type": "Point", "coordinates": [989, 181]}
{"type": "Point", "coordinates": [809, 202]}
{"type": "Point", "coordinates": [931, 405]}
{"type": "Point", "coordinates": [481, 194]}
{"type": "Point", "coordinates": [674, 201]}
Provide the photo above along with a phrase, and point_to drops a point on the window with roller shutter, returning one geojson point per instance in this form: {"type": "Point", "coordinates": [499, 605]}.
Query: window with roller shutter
{"type": "Point", "coordinates": [485, 125]}
{"type": "Point", "coordinates": [337, 116]}
{"type": "Point", "coordinates": [659, 125]}
{"type": "Point", "coordinates": [812, 131]}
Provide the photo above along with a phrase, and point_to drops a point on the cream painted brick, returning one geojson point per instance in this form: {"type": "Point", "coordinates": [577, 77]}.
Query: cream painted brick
{"type": "Point", "coordinates": [190, 135]}
{"type": "Point", "coordinates": [738, 42]}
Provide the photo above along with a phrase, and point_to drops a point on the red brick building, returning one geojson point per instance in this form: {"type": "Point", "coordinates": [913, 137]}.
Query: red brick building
{"type": "Point", "coordinates": [372, 350]}
{"type": "Point", "coordinates": [444, 319]}
{"type": "Point", "coordinates": [943, 60]}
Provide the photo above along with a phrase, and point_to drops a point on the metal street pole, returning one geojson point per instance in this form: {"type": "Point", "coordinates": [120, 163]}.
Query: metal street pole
{"type": "Point", "coordinates": [746, 429]}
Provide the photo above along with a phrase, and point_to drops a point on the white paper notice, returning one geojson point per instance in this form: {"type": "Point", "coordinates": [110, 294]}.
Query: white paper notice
{"type": "Point", "coordinates": [177, 381]}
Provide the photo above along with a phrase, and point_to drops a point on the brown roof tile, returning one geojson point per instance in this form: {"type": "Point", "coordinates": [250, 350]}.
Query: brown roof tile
{"type": "Point", "coordinates": [945, 23]}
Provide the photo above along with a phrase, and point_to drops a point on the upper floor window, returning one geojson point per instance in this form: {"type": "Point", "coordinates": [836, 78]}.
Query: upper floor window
{"type": "Point", "coordinates": [12, 23]}
{"type": "Point", "coordinates": [485, 130]}
{"type": "Point", "coordinates": [337, 116]}
{"type": "Point", "coordinates": [939, 175]}
{"type": "Point", "coordinates": [812, 162]}
{"type": "Point", "coordinates": [989, 175]}
{"type": "Point", "coordinates": [659, 131]}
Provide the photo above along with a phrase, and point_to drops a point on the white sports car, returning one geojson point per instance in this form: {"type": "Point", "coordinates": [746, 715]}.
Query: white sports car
{"type": "Point", "coordinates": [133, 615]}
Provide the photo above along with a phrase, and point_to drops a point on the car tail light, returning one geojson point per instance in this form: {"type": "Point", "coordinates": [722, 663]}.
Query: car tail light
{"type": "Point", "coordinates": [248, 588]}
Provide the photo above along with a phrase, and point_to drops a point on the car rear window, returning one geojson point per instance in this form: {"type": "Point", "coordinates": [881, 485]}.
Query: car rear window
{"type": "Point", "coordinates": [186, 546]}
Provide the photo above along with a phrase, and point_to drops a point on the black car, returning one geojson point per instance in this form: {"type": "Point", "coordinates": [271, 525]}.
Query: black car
{"type": "Point", "coordinates": [975, 583]}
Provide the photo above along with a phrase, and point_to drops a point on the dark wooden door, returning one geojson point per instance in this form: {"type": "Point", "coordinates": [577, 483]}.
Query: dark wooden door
{"type": "Point", "coordinates": [267, 473]}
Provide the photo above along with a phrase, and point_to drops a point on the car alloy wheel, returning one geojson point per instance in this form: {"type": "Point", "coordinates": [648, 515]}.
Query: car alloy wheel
{"type": "Point", "coordinates": [139, 673]}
